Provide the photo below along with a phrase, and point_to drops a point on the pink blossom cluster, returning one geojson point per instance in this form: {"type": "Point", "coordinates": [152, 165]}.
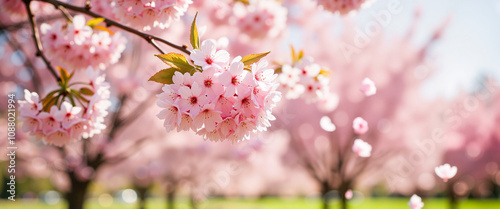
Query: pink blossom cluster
{"type": "Point", "coordinates": [261, 19]}
{"type": "Point", "coordinates": [305, 79]}
{"type": "Point", "coordinates": [341, 6]}
{"type": "Point", "coordinates": [223, 100]}
{"type": "Point", "coordinates": [77, 46]}
{"type": "Point", "coordinates": [16, 11]}
{"type": "Point", "coordinates": [145, 14]}
{"type": "Point", "coordinates": [64, 122]}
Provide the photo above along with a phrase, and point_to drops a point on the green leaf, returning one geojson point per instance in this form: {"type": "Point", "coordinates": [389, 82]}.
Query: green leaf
{"type": "Point", "coordinates": [194, 38]}
{"type": "Point", "coordinates": [164, 76]}
{"type": "Point", "coordinates": [177, 61]}
{"type": "Point", "coordinates": [49, 103]}
{"type": "Point", "coordinates": [78, 95]}
{"type": "Point", "coordinates": [71, 99]}
{"type": "Point", "coordinates": [86, 91]}
{"type": "Point", "coordinates": [64, 75]}
{"type": "Point", "coordinates": [253, 58]}
{"type": "Point", "coordinates": [95, 21]}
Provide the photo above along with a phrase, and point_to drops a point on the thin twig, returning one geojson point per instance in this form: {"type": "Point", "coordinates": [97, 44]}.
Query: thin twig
{"type": "Point", "coordinates": [16, 46]}
{"type": "Point", "coordinates": [22, 24]}
{"type": "Point", "coordinates": [36, 38]}
{"type": "Point", "coordinates": [149, 38]}
{"type": "Point", "coordinates": [65, 13]}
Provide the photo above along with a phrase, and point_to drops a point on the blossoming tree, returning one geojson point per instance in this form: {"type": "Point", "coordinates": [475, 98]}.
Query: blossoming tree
{"type": "Point", "coordinates": [87, 74]}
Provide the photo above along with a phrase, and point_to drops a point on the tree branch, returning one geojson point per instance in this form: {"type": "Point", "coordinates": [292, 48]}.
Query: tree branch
{"type": "Point", "coordinates": [21, 24]}
{"type": "Point", "coordinates": [15, 45]}
{"type": "Point", "coordinates": [149, 38]}
{"type": "Point", "coordinates": [36, 38]}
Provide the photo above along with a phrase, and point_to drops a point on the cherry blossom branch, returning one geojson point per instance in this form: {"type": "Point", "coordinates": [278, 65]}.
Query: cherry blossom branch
{"type": "Point", "coordinates": [21, 24]}
{"type": "Point", "coordinates": [149, 38]}
{"type": "Point", "coordinates": [36, 38]}
{"type": "Point", "coordinates": [65, 13]}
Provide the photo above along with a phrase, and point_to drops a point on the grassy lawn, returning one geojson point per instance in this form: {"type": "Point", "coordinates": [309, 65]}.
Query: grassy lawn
{"type": "Point", "coordinates": [272, 203]}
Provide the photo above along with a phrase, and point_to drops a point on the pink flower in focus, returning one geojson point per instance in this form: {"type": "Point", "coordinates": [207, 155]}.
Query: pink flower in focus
{"type": "Point", "coordinates": [360, 125]}
{"type": "Point", "coordinates": [416, 202]}
{"type": "Point", "coordinates": [49, 121]}
{"type": "Point", "coordinates": [171, 114]}
{"type": "Point", "coordinates": [361, 148]}
{"type": "Point", "coordinates": [31, 105]}
{"type": "Point", "coordinates": [446, 171]}
{"type": "Point", "coordinates": [368, 87]}
{"type": "Point", "coordinates": [208, 56]}
{"type": "Point", "coordinates": [208, 81]}
{"type": "Point", "coordinates": [192, 99]}
{"type": "Point", "coordinates": [208, 117]}
{"type": "Point", "coordinates": [232, 79]}
{"type": "Point", "coordinates": [68, 115]}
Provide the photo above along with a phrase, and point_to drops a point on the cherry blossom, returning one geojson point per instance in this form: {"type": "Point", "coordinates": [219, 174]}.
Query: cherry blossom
{"type": "Point", "coordinates": [79, 31]}
{"type": "Point", "coordinates": [208, 56]}
{"type": "Point", "coordinates": [261, 19]}
{"type": "Point", "coordinates": [446, 171]}
{"type": "Point", "coordinates": [349, 194]}
{"type": "Point", "coordinates": [416, 202]}
{"type": "Point", "coordinates": [360, 125]}
{"type": "Point", "coordinates": [361, 148]}
{"type": "Point", "coordinates": [341, 6]}
{"type": "Point", "coordinates": [148, 14]}
{"type": "Point", "coordinates": [305, 79]}
{"type": "Point", "coordinates": [233, 78]}
{"type": "Point", "coordinates": [368, 87]}
{"type": "Point", "coordinates": [76, 46]}
{"type": "Point", "coordinates": [221, 101]}
{"type": "Point", "coordinates": [326, 124]}
{"type": "Point", "coordinates": [66, 122]}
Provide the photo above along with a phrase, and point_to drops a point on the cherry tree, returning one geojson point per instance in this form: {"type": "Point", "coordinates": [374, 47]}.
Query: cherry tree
{"type": "Point", "coordinates": [88, 73]}
{"type": "Point", "coordinates": [374, 93]}
{"type": "Point", "coordinates": [472, 141]}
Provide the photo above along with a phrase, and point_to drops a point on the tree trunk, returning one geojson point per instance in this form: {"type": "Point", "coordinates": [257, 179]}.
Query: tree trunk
{"type": "Point", "coordinates": [325, 188]}
{"type": "Point", "coordinates": [343, 200]}
{"type": "Point", "coordinates": [171, 199]}
{"type": "Point", "coordinates": [76, 195]}
{"type": "Point", "coordinates": [192, 201]}
{"type": "Point", "coordinates": [141, 193]}
{"type": "Point", "coordinates": [453, 199]}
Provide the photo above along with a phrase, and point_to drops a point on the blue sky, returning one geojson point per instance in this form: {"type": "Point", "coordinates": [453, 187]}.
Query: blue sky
{"type": "Point", "coordinates": [470, 46]}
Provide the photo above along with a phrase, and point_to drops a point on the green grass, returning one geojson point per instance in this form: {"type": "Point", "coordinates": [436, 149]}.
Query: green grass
{"type": "Point", "coordinates": [272, 203]}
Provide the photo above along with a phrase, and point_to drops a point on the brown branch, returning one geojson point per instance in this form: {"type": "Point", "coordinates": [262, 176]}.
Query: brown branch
{"type": "Point", "coordinates": [16, 46]}
{"type": "Point", "coordinates": [149, 38]}
{"type": "Point", "coordinates": [22, 24]}
{"type": "Point", "coordinates": [36, 38]}
{"type": "Point", "coordinates": [65, 13]}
